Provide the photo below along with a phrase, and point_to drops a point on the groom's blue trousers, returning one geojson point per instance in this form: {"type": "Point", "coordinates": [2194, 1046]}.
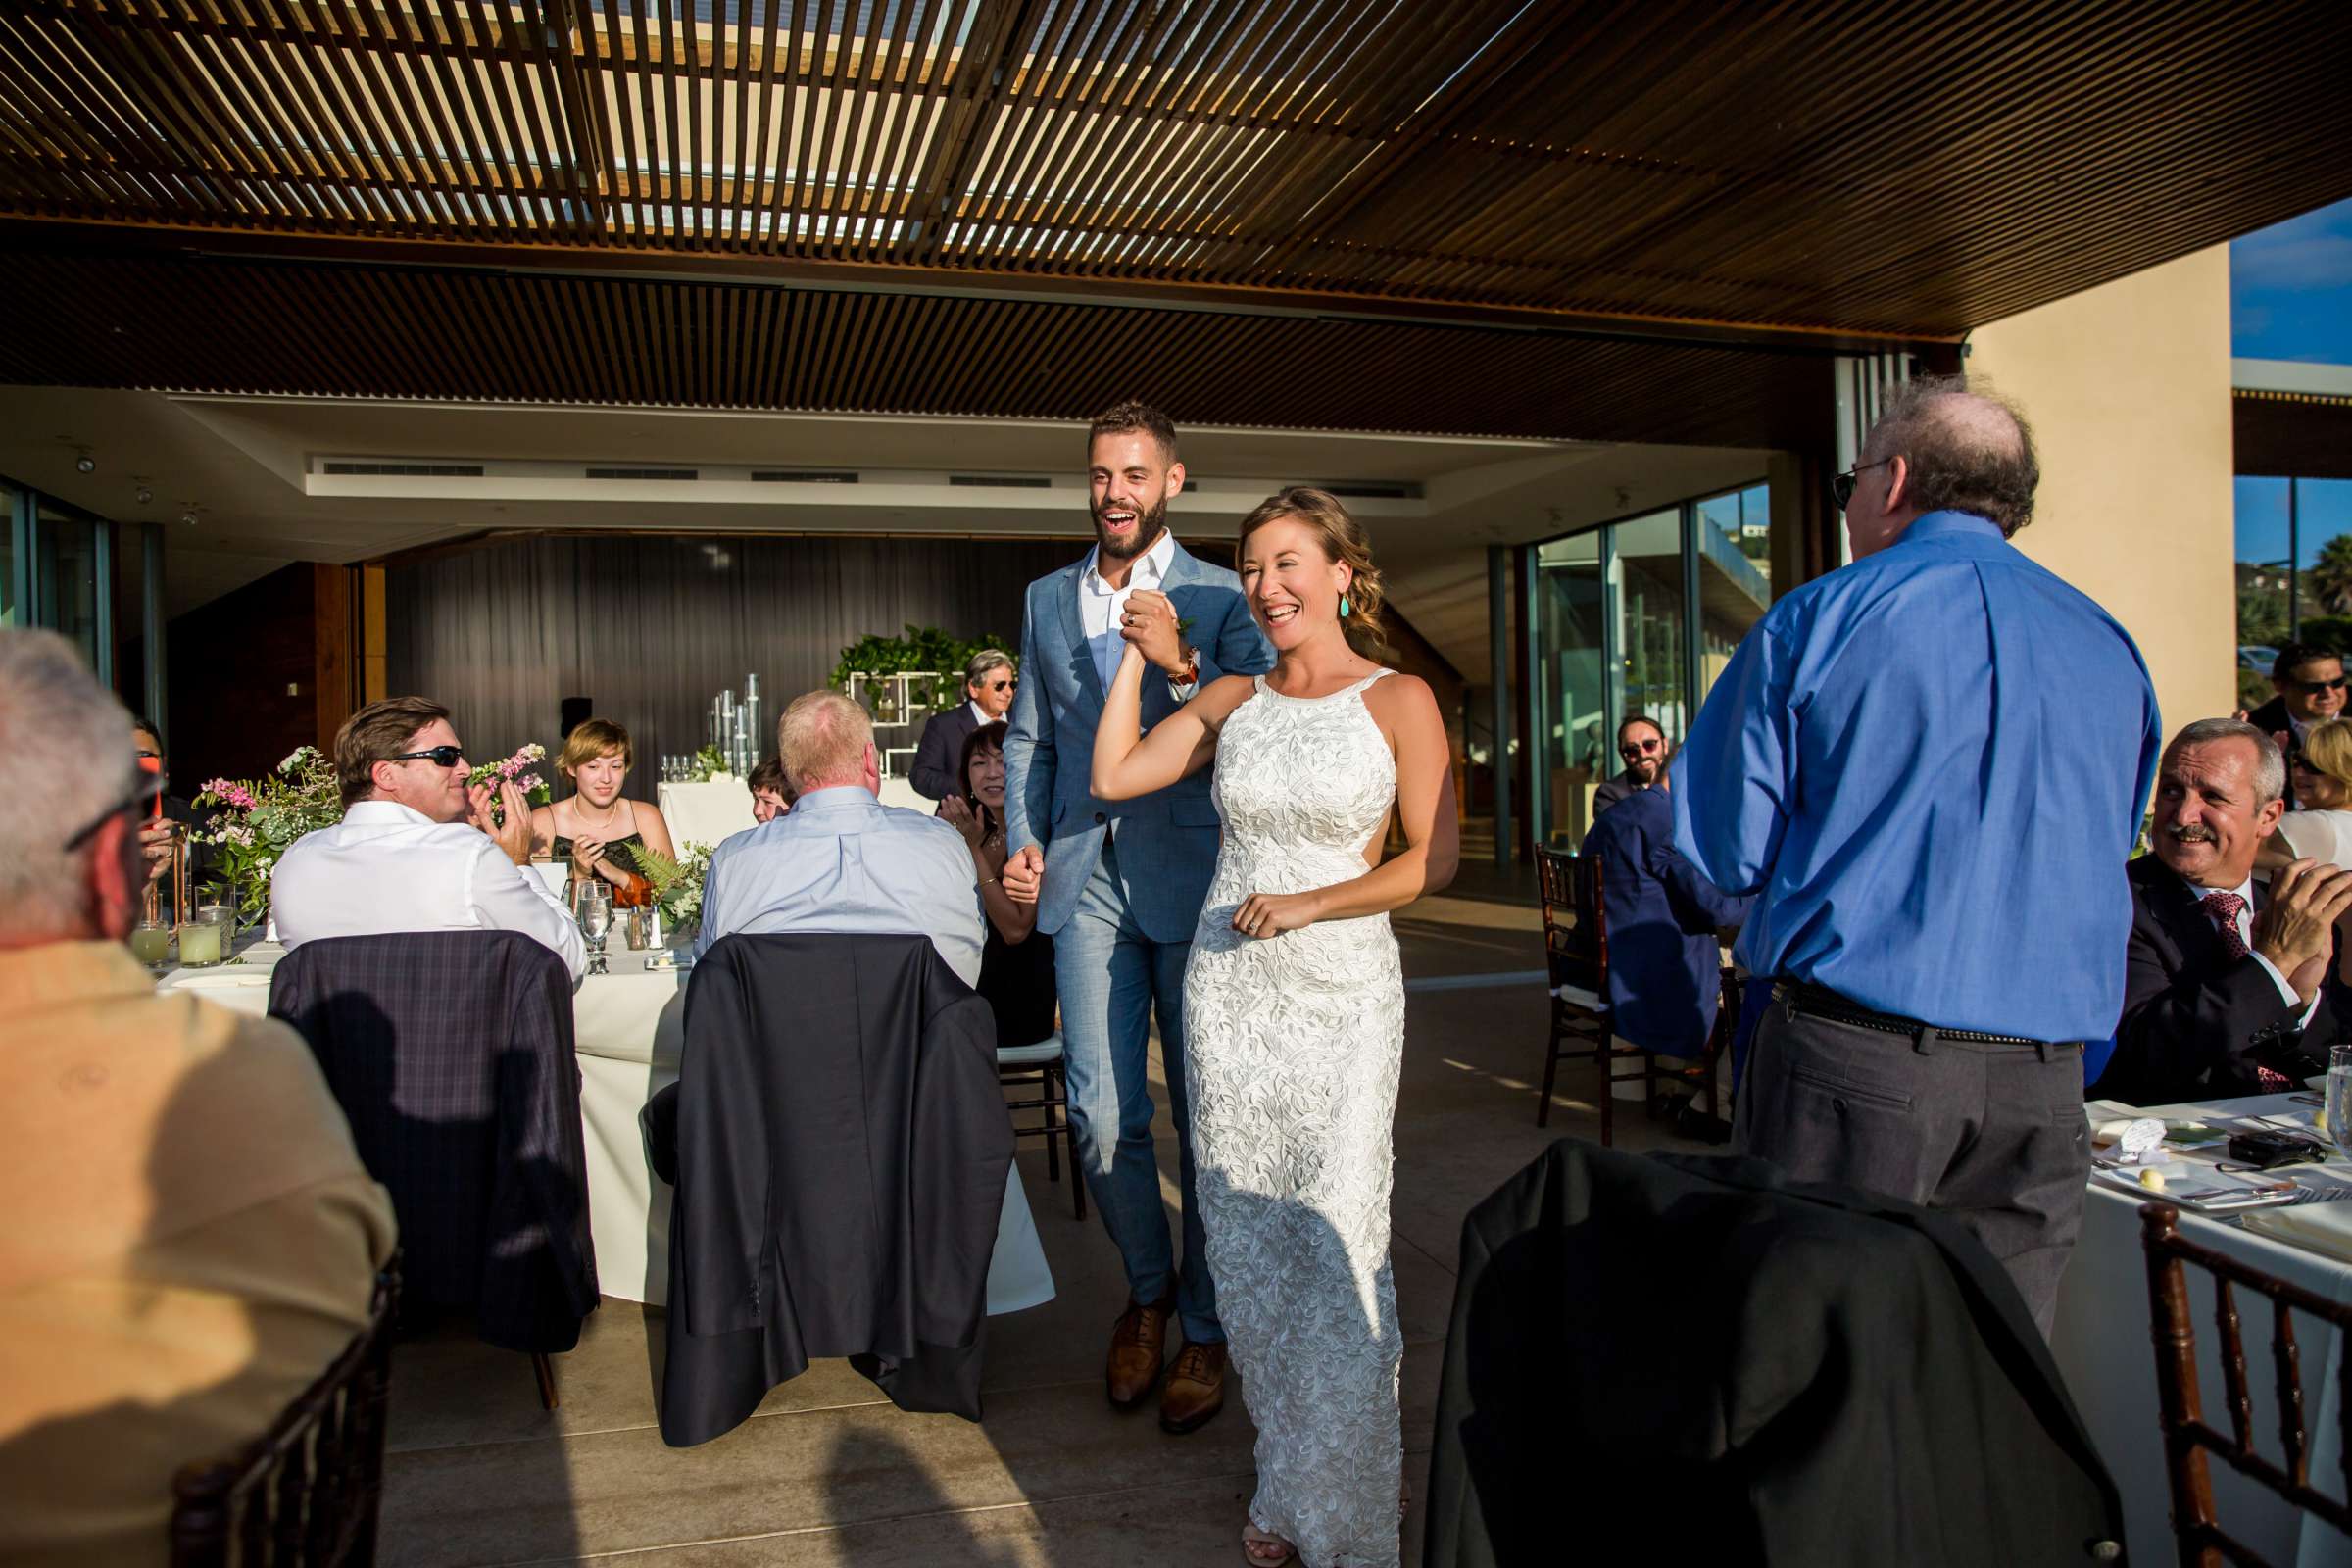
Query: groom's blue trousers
{"type": "Point", "coordinates": [1113, 977]}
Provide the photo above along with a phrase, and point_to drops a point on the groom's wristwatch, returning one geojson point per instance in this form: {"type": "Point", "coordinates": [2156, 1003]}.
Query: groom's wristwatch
{"type": "Point", "coordinates": [1189, 673]}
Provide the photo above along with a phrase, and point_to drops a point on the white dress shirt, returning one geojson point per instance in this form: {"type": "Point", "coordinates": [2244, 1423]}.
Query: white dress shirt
{"type": "Point", "coordinates": [840, 860]}
{"type": "Point", "coordinates": [386, 867]}
{"type": "Point", "coordinates": [2245, 931]}
{"type": "Point", "coordinates": [1099, 604]}
{"type": "Point", "coordinates": [980, 716]}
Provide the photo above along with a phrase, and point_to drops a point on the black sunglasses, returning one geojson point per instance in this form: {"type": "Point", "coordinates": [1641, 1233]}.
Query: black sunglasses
{"type": "Point", "coordinates": [439, 756]}
{"type": "Point", "coordinates": [2313, 687]}
{"type": "Point", "coordinates": [151, 786]}
{"type": "Point", "coordinates": [1842, 488]}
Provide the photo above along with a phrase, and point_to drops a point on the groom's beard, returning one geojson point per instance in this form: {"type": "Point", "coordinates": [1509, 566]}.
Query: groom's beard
{"type": "Point", "coordinates": [1150, 523]}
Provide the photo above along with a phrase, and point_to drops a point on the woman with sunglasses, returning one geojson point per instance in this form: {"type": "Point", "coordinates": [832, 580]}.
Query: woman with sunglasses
{"type": "Point", "coordinates": [601, 832]}
{"type": "Point", "coordinates": [2320, 827]}
{"type": "Point", "coordinates": [1016, 966]}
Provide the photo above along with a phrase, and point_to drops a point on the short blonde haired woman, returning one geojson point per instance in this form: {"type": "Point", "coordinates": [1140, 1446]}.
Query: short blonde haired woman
{"type": "Point", "coordinates": [594, 825]}
{"type": "Point", "coordinates": [2320, 826]}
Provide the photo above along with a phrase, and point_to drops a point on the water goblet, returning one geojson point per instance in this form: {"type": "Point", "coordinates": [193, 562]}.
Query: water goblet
{"type": "Point", "coordinates": [2335, 1116]}
{"type": "Point", "coordinates": [596, 919]}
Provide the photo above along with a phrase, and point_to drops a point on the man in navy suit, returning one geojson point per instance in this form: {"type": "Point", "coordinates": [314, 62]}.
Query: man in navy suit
{"type": "Point", "coordinates": [987, 694]}
{"type": "Point", "coordinates": [2225, 984]}
{"type": "Point", "coordinates": [1665, 966]}
{"type": "Point", "coordinates": [1119, 884]}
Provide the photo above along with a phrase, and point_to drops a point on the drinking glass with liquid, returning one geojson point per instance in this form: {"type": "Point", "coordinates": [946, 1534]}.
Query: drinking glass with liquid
{"type": "Point", "coordinates": [2335, 1117]}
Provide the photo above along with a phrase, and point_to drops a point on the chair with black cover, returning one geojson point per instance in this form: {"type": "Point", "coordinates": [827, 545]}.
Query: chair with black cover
{"type": "Point", "coordinates": [1040, 1066]}
{"type": "Point", "coordinates": [1576, 957]}
{"type": "Point", "coordinates": [2201, 1541]}
{"type": "Point", "coordinates": [307, 1491]}
{"type": "Point", "coordinates": [451, 1054]}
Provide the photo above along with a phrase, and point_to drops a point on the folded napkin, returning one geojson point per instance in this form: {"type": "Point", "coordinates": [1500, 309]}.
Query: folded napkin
{"type": "Point", "coordinates": [2320, 1227]}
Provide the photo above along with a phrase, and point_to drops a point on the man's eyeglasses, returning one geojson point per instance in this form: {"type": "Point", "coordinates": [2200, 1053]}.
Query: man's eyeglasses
{"type": "Point", "coordinates": [151, 786]}
{"type": "Point", "coordinates": [2312, 688]}
{"type": "Point", "coordinates": [1634, 750]}
{"type": "Point", "coordinates": [438, 755]}
{"type": "Point", "coordinates": [1842, 488]}
{"type": "Point", "coordinates": [999, 685]}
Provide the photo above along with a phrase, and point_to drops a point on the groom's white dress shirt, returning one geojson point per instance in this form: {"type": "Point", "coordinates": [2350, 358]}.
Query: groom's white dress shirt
{"type": "Point", "coordinates": [1099, 604]}
{"type": "Point", "coordinates": [386, 867]}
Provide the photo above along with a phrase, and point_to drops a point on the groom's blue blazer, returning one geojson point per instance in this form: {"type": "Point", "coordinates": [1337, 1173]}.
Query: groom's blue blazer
{"type": "Point", "coordinates": [1167, 841]}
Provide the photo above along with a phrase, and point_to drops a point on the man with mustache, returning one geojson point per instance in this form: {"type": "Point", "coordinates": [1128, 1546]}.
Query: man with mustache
{"type": "Point", "coordinates": [2226, 991]}
{"type": "Point", "coordinates": [1119, 885]}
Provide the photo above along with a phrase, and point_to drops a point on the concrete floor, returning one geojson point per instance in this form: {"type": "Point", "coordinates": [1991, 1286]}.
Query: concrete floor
{"type": "Point", "coordinates": [828, 1472]}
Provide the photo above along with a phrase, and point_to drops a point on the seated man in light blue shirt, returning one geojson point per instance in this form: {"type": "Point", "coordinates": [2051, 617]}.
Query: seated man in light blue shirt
{"type": "Point", "coordinates": [840, 860]}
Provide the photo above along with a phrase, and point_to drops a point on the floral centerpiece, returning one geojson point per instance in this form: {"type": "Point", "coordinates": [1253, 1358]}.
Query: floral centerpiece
{"type": "Point", "coordinates": [519, 770]}
{"type": "Point", "coordinates": [707, 764]}
{"type": "Point", "coordinates": [260, 818]}
{"type": "Point", "coordinates": [677, 885]}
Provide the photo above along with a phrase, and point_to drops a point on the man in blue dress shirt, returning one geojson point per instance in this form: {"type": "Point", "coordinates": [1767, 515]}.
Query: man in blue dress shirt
{"type": "Point", "coordinates": [840, 860]}
{"type": "Point", "coordinates": [1929, 767]}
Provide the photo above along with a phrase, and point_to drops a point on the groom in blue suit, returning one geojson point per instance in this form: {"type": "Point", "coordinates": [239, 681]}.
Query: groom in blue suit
{"type": "Point", "coordinates": [1119, 884]}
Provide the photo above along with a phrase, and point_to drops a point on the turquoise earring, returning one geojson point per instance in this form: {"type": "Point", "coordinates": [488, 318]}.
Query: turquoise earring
{"type": "Point", "coordinates": [1342, 606]}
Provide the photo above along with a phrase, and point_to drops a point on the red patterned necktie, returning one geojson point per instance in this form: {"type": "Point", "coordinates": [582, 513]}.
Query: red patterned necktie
{"type": "Point", "coordinates": [2224, 909]}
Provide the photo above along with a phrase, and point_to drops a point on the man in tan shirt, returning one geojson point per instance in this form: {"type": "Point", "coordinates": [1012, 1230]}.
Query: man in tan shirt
{"type": "Point", "coordinates": [189, 1238]}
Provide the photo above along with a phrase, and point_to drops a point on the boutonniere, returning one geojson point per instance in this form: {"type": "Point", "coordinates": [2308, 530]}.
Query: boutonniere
{"type": "Point", "coordinates": [1184, 624]}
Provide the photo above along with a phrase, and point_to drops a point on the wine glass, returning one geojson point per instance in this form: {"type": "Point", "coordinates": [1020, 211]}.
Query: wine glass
{"type": "Point", "coordinates": [596, 919]}
{"type": "Point", "coordinates": [2335, 1118]}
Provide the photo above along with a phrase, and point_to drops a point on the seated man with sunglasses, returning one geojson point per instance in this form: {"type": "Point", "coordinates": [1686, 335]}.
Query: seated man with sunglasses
{"type": "Point", "coordinates": [417, 849]}
{"type": "Point", "coordinates": [1642, 748]}
{"type": "Point", "coordinates": [191, 1237]}
{"type": "Point", "coordinates": [2309, 682]}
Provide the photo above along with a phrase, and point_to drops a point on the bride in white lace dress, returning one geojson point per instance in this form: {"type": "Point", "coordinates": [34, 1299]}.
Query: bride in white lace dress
{"type": "Point", "coordinates": [1295, 1011]}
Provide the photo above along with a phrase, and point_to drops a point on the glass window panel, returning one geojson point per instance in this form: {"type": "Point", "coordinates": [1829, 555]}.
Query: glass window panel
{"type": "Point", "coordinates": [1568, 655]}
{"type": "Point", "coordinates": [1734, 574]}
{"type": "Point", "coordinates": [9, 615]}
{"type": "Point", "coordinates": [68, 580]}
{"type": "Point", "coordinates": [1650, 648]}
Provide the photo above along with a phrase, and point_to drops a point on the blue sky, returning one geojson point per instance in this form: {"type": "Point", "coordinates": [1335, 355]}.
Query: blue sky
{"type": "Point", "coordinates": [2290, 298]}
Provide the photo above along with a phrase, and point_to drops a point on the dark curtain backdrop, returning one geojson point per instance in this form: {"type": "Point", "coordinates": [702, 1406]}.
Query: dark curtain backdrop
{"type": "Point", "coordinates": [651, 629]}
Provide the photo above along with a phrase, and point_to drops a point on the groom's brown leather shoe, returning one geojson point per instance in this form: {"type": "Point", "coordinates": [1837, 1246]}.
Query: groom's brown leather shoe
{"type": "Point", "coordinates": [1196, 1388]}
{"type": "Point", "coordinates": [1137, 1344]}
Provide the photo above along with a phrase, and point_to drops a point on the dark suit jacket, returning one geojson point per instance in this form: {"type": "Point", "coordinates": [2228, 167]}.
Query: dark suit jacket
{"type": "Point", "coordinates": [1748, 1372]}
{"type": "Point", "coordinates": [839, 1146]}
{"type": "Point", "coordinates": [1609, 791]}
{"type": "Point", "coordinates": [2272, 719]}
{"type": "Point", "coordinates": [451, 1054]}
{"type": "Point", "coordinates": [1665, 968]}
{"type": "Point", "coordinates": [933, 775]}
{"type": "Point", "coordinates": [2196, 1021]}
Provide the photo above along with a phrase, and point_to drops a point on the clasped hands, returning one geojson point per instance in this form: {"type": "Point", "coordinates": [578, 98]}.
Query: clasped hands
{"type": "Point", "coordinates": [514, 835]}
{"type": "Point", "coordinates": [2296, 928]}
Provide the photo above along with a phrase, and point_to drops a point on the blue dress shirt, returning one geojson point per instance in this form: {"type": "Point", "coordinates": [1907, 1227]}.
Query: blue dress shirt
{"type": "Point", "coordinates": [840, 860]}
{"type": "Point", "coordinates": [1930, 768]}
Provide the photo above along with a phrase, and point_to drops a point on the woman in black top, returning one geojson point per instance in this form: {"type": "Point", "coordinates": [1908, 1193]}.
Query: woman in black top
{"type": "Point", "coordinates": [1016, 966]}
{"type": "Point", "coordinates": [595, 827]}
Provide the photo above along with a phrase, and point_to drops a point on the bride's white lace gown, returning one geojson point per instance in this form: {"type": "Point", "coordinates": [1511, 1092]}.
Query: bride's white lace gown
{"type": "Point", "coordinates": [1292, 1050]}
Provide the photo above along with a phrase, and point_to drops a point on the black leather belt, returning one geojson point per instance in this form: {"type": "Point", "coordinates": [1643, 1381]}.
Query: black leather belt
{"type": "Point", "coordinates": [1820, 1002]}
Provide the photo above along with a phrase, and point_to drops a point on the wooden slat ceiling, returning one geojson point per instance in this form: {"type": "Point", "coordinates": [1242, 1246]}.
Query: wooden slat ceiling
{"type": "Point", "coordinates": [246, 325]}
{"type": "Point", "coordinates": [1898, 170]}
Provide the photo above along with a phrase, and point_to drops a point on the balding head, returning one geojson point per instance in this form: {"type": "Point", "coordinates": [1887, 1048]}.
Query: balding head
{"type": "Point", "coordinates": [1943, 444]}
{"type": "Point", "coordinates": [825, 740]}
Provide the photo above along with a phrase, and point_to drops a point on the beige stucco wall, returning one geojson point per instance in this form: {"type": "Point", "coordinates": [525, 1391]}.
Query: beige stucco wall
{"type": "Point", "coordinates": [2127, 388]}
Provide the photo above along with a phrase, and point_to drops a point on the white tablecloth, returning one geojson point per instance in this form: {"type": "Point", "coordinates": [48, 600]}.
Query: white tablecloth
{"type": "Point", "coordinates": [627, 1029]}
{"type": "Point", "coordinates": [705, 813]}
{"type": "Point", "coordinates": [2101, 1342]}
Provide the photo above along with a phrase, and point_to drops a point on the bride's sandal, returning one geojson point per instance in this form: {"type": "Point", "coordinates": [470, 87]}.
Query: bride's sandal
{"type": "Point", "coordinates": [1261, 1550]}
